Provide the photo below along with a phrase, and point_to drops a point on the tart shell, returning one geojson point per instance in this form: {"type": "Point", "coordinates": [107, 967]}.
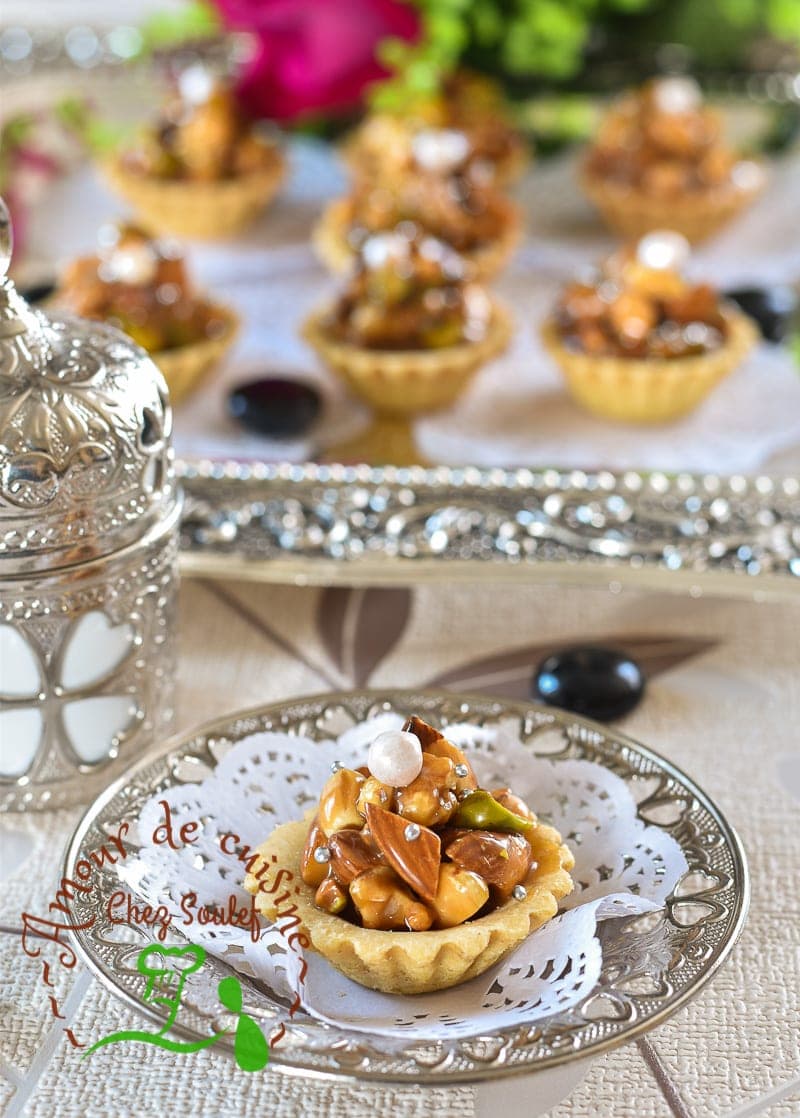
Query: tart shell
{"type": "Point", "coordinates": [184, 367]}
{"type": "Point", "coordinates": [697, 215]}
{"type": "Point", "coordinates": [404, 382]}
{"type": "Point", "coordinates": [413, 962]}
{"type": "Point", "coordinates": [329, 238]}
{"type": "Point", "coordinates": [201, 210]}
{"type": "Point", "coordinates": [653, 389]}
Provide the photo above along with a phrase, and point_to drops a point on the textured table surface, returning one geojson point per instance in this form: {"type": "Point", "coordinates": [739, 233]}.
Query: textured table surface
{"type": "Point", "coordinates": [723, 703]}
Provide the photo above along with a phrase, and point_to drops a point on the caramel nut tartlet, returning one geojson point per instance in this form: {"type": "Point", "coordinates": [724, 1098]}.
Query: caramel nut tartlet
{"type": "Point", "coordinates": [142, 286]}
{"type": "Point", "coordinates": [660, 160]}
{"type": "Point", "coordinates": [426, 889]}
{"type": "Point", "coordinates": [638, 342]}
{"type": "Point", "coordinates": [411, 326]}
{"type": "Point", "coordinates": [467, 105]}
{"type": "Point", "coordinates": [202, 169]}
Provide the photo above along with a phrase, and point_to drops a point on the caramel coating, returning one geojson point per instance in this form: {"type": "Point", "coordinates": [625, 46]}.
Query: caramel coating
{"type": "Point", "coordinates": [431, 799]}
{"type": "Point", "coordinates": [312, 871]}
{"type": "Point", "coordinates": [338, 802]}
{"type": "Point", "coordinates": [330, 896]}
{"type": "Point", "coordinates": [461, 893]}
{"type": "Point", "coordinates": [385, 903]}
{"type": "Point", "coordinates": [377, 793]}
{"type": "Point", "coordinates": [501, 860]}
{"type": "Point", "coordinates": [352, 852]}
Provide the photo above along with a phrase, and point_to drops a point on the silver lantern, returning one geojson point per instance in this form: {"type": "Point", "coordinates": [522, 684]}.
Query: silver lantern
{"type": "Point", "coordinates": [89, 513]}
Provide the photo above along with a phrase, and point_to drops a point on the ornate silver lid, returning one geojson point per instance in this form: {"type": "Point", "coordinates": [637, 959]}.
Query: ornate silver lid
{"type": "Point", "coordinates": [85, 424]}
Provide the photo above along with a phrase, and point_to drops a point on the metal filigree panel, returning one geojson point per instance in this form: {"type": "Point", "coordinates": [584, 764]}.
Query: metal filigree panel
{"type": "Point", "coordinates": [366, 524]}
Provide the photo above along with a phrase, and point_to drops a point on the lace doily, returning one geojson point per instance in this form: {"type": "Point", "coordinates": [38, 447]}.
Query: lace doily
{"type": "Point", "coordinates": [622, 867]}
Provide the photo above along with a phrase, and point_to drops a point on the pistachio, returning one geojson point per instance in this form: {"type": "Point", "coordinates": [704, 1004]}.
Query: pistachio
{"type": "Point", "coordinates": [385, 903]}
{"type": "Point", "coordinates": [501, 860]}
{"type": "Point", "coordinates": [374, 792]}
{"type": "Point", "coordinates": [460, 894]}
{"type": "Point", "coordinates": [330, 896]}
{"type": "Point", "coordinates": [513, 802]}
{"type": "Point", "coordinates": [352, 852]}
{"type": "Point", "coordinates": [311, 870]}
{"type": "Point", "coordinates": [338, 801]}
{"type": "Point", "coordinates": [415, 859]}
{"type": "Point", "coordinates": [429, 800]}
{"type": "Point", "coordinates": [480, 811]}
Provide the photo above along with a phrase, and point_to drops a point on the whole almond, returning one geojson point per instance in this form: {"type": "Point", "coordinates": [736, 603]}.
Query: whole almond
{"type": "Point", "coordinates": [414, 859]}
{"type": "Point", "coordinates": [352, 852]}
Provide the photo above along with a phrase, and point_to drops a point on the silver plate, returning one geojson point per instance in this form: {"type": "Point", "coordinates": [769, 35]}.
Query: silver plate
{"type": "Point", "coordinates": [666, 958]}
{"type": "Point", "coordinates": [365, 524]}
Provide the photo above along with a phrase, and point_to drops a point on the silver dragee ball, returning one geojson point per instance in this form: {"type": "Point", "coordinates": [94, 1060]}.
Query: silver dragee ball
{"type": "Point", "coordinates": [395, 758]}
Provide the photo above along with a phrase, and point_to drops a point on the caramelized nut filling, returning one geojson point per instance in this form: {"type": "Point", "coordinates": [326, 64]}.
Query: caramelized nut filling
{"type": "Point", "coordinates": [141, 286]}
{"type": "Point", "coordinates": [409, 291]}
{"type": "Point", "coordinates": [663, 140]}
{"type": "Point", "coordinates": [634, 308]}
{"type": "Point", "coordinates": [434, 853]}
{"type": "Point", "coordinates": [201, 136]}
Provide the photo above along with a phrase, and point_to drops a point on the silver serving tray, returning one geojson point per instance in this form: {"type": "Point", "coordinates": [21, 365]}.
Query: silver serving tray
{"type": "Point", "coordinates": [667, 956]}
{"type": "Point", "coordinates": [695, 533]}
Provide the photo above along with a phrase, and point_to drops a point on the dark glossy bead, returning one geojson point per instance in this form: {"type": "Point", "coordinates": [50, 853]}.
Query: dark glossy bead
{"type": "Point", "coordinates": [598, 682]}
{"type": "Point", "coordinates": [275, 406]}
{"type": "Point", "coordinates": [772, 308]}
{"type": "Point", "coordinates": [37, 292]}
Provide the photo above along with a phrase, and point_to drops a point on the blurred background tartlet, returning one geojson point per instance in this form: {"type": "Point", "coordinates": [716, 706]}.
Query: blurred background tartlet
{"type": "Point", "coordinates": [141, 286]}
{"type": "Point", "coordinates": [638, 342]}
{"type": "Point", "coordinates": [202, 169]}
{"type": "Point", "coordinates": [433, 177]}
{"type": "Point", "coordinates": [410, 327]}
{"type": "Point", "coordinates": [467, 103]}
{"type": "Point", "coordinates": [660, 161]}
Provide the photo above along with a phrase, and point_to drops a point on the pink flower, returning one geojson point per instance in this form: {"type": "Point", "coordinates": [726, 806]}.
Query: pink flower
{"type": "Point", "coordinates": [314, 56]}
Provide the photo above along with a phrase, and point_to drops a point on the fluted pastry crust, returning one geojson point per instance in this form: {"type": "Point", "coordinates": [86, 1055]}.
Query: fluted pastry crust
{"type": "Point", "coordinates": [415, 962]}
{"type": "Point", "coordinates": [204, 210]}
{"type": "Point", "coordinates": [407, 381]}
{"type": "Point", "coordinates": [649, 389]}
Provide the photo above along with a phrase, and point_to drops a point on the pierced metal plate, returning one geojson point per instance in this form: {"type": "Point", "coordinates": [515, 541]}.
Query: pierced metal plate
{"type": "Point", "coordinates": [363, 524]}
{"type": "Point", "coordinates": [664, 960]}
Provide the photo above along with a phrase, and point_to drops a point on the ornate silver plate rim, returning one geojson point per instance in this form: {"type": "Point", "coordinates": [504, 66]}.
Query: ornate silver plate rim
{"type": "Point", "coordinates": [696, 947]}
{"type": "Point", "coordinates": [321, 524]}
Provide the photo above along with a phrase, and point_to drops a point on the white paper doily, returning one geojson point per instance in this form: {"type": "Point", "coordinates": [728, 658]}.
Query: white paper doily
{"type": "Point", "coordinates": [623, 867]}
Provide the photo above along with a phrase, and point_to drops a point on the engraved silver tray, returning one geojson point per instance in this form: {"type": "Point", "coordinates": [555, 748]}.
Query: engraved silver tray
{"type": "Point", "coordinates": [665, 960]}
{"type": "Point", "coordinates": [696, 533]}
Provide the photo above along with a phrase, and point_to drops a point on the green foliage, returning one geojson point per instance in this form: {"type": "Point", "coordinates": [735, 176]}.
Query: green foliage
{"type": "Point", "coordinates": [547, 38]}
{"type": "Point", "coordinates": [192, 21]}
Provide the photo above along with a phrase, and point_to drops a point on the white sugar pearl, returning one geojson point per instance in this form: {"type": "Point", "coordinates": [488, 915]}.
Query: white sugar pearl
{"type": "Point", "coordinates": [196, 84]}
{"type": "Point", "coordinates": [677, 95]}
{"type": "Point", "coordinates": [395, 758]}
{"type": "Point", "coordinates": [439, 149]}
{"type": "Point", "coordinates": [663, 249]}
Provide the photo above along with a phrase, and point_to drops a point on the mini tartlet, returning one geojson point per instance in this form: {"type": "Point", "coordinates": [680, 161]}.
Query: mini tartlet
{"type": "Point", "coordinates": [141, 286]}
{"type": "Point", "coordinates": [202, 169]}
{"type": "Point", "coordinates": [639, 343]}
{"type": "Point", "coordinates": [660, 161]}
{"type": "Point", "coordinates": [467, 103]}
{"type": "Point", "coordinates": [435, 185]}
{"type": "Point", "coordinates": [410, 328]}
{"type": "Point", "coordinates": [411, 878]}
